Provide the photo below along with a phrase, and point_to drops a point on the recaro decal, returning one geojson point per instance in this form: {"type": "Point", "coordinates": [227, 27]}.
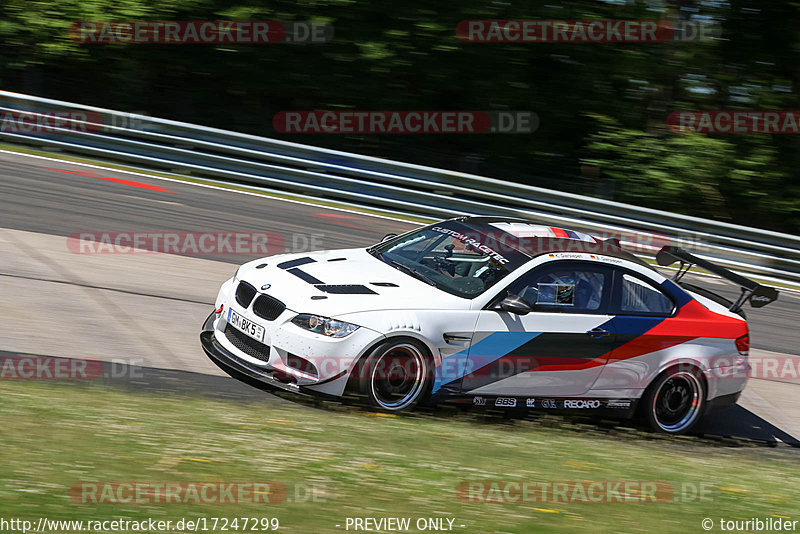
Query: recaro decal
{"type": "Point", "coordinates": [579, 404]}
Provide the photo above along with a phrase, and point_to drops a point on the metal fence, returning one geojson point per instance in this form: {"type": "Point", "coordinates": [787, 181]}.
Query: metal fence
{"type": "Point", "coordinates": [176, 147]}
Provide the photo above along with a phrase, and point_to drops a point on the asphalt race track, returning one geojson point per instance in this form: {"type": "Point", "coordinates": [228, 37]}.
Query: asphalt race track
{"type": "Point", "coordinates": [145, 310]}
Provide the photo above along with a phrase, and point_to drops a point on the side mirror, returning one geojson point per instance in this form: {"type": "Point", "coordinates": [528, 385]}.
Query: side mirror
{"type": "Point", "coordinates": [514, 304]}
{"type": "Point", "coordinates": [387, 237]}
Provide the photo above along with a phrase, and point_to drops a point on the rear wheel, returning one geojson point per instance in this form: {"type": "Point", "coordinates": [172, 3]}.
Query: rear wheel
{"type": "Point", "coordinates": [675, 401]}
{"type": "Point", "coordinates": [397, 375]}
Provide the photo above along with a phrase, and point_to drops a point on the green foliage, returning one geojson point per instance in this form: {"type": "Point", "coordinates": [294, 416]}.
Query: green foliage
{"type": "Point", "coordinates": [707, 176]}
{"type": "Point", "coordinates": [604, 104]}
{"type": "Point", "coordinates": [679, 169]}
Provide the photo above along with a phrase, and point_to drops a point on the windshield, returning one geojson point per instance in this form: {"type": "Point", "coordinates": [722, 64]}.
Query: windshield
{"type": "Point", "coordinates": [461, 259]}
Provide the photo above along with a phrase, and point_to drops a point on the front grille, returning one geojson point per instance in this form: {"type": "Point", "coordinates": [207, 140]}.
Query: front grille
{"type": "Point", "coordinates": [268, 308]}
{"type": "Point", "coordinates": [244, 294]}
{"type": "Point", "coordinates": [246, 344]}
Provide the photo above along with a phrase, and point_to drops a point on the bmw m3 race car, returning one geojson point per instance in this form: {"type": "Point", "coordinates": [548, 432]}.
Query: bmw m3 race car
{"type": "Point", "coordinates": [493, 312]}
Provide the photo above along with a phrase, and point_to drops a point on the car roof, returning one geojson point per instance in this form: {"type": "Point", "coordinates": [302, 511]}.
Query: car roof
{"type": "Point", "coordinates": [547, 245]}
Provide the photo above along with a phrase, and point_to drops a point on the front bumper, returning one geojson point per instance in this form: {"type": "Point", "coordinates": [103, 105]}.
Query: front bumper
{"type": "Point", "coordinates": [287, 356]}
{"type": "Point", "coordinates": [242, 370]}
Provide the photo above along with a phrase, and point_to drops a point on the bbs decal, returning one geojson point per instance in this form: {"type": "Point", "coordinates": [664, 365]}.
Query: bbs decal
{"type": "Point", "coordinates": [506, 402]}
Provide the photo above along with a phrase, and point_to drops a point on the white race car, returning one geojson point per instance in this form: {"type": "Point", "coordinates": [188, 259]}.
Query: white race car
{"type": "Point", "coordinates": [490, 311]}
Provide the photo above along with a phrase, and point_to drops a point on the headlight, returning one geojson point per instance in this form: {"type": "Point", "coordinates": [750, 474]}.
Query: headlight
{"type": "Point", "coordinates": [324, 325]}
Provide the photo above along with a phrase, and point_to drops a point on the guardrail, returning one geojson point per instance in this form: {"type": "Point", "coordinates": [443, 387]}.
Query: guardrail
{"type": "Point", "coordinates": [171, 146]}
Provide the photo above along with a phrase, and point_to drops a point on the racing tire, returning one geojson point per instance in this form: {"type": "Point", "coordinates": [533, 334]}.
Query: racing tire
{"type": "Point", "coordinates": [397, 375]}
{"type": "Point", "coordinates": [675, 401]}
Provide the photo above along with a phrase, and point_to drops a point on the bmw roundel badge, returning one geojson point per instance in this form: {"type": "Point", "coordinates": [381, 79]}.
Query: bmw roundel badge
{"type": "Point", "coordinates": [265, 287]}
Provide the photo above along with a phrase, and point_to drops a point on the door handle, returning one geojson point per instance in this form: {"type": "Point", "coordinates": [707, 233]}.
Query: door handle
{"type": "Point", "coordinates": [598, 333]}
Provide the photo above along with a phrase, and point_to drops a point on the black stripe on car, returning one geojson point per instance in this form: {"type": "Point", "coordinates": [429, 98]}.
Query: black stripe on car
{"type": "Point", "coordinates": [305, 276]}
{"type": "Point", "coordinates": [296, 263]}
{"type": "Point", "coordinates": [567, 349]}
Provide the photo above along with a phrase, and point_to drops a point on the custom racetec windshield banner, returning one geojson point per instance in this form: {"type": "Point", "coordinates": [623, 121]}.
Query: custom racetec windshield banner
{"type": "Point", "coordinates": [500, 246]}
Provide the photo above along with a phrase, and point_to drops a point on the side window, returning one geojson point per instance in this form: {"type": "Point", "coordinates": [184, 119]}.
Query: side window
{"type": "Point", "coordinates": [640, 298]}
{"type": "Point", "coordinates": [566, 288]}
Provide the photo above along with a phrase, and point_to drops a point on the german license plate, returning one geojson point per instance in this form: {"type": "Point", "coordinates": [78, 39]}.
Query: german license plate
{"type": "Point", "coordinates": [247, 326]}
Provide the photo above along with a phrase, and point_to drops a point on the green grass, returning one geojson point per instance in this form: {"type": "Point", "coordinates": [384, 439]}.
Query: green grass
{"type": "Point", "coordinates": [361, 464]}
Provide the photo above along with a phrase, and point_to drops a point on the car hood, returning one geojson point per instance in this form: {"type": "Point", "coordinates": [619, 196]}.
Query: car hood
{"type": "Point", "coordinates": [337, 282]}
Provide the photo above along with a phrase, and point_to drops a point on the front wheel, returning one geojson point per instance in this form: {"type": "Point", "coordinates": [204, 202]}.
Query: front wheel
{"type": "Point", "coordinates": [397, 375]}
{"type": "Point", "coordinates": [675, 401]}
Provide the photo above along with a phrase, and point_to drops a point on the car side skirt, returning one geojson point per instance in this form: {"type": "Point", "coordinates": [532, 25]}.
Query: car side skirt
{"type": "Point", "coordinates": [623, 408]}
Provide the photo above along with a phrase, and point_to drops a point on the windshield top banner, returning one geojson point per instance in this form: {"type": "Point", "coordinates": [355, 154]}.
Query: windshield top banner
{"type": "Point", "coordinates": [498, 245]}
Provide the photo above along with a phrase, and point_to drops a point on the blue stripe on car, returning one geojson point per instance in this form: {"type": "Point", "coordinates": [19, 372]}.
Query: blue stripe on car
{"type": "Point", "coordinates": [489, 349]}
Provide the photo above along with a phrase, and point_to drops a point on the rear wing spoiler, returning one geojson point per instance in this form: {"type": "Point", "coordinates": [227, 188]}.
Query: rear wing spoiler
{"type": "Point", "coordinates": [755, 293]}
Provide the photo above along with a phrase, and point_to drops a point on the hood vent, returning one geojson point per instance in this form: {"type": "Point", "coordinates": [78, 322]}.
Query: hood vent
{"type": "Point", "coordinates": [348, 289]}
{"type": "Point", "coordinates": [296, 263]}
{"type": "Point", "coordinates": [385, 284]}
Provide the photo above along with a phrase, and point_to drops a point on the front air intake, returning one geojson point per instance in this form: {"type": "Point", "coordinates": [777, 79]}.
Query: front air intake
{"type": "Point", "coordinates": [301, 364]}
{"type": "Point", "coordinates": [246, 344]}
